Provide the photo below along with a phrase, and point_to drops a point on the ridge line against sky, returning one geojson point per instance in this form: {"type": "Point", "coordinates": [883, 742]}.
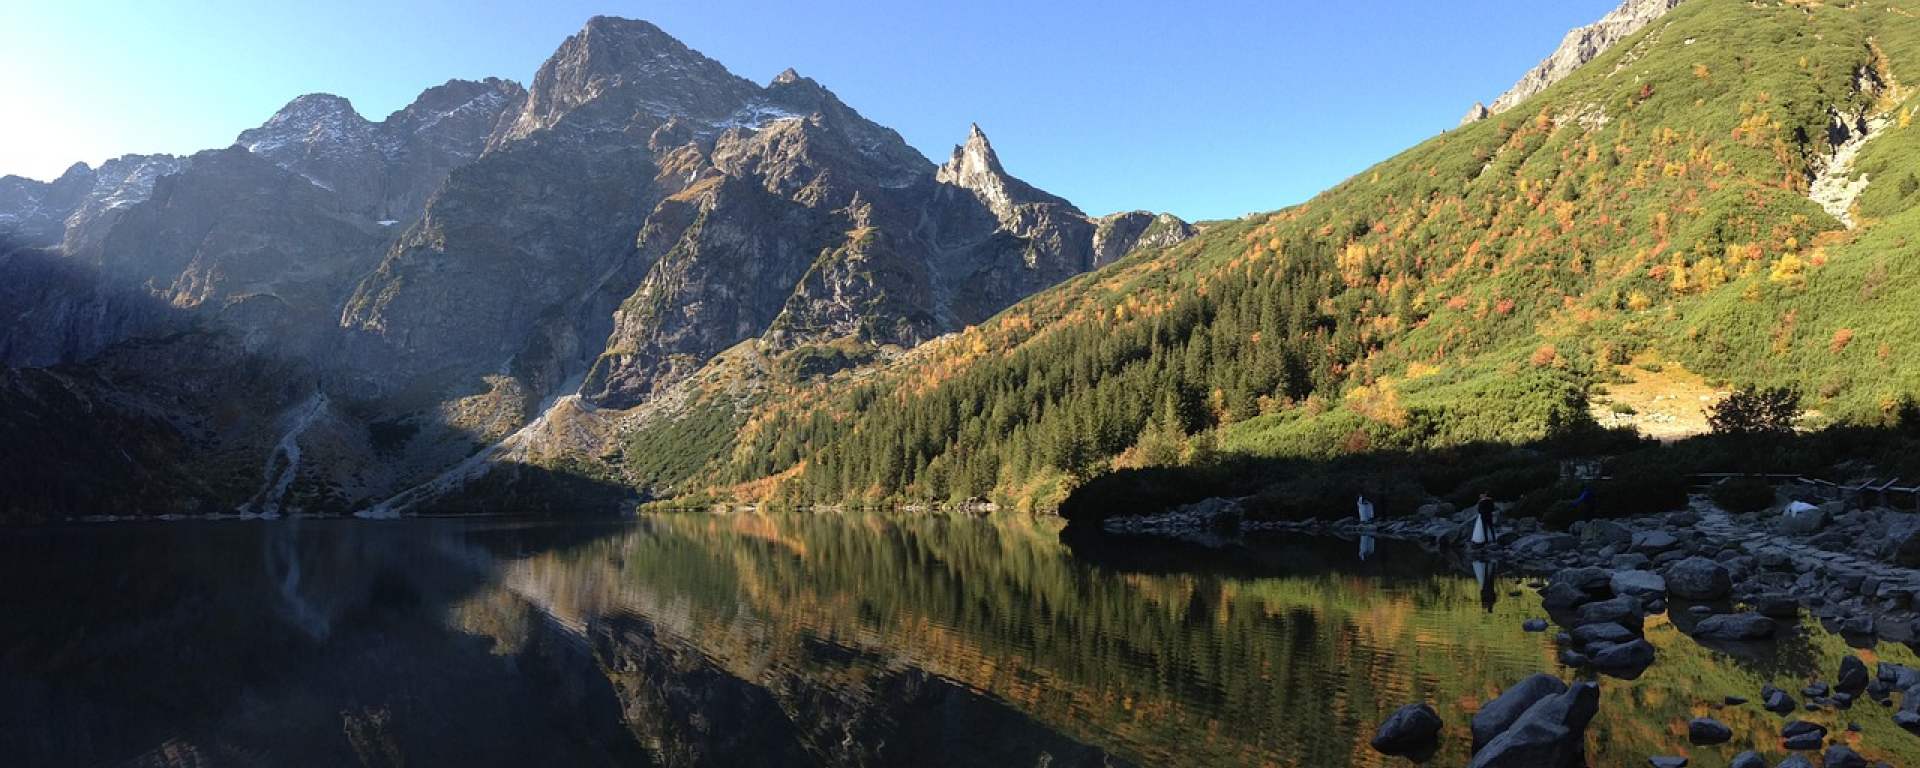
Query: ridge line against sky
{"type": "Point", "coordinates": [1209, 109]}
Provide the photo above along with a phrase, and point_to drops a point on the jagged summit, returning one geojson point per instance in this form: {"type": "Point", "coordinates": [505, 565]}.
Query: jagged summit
{"type": "Point", "coordinates": [786, 77]}
{"type": "Point", "coordinates": [974, 166]}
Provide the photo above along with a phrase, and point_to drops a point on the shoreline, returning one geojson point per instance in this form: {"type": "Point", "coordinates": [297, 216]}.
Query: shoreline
{"type": "Point", "coordinates": [1842, 565]}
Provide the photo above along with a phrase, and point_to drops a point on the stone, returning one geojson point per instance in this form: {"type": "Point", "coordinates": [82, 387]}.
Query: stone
{"type": "Point", "coordinates": [1806, 522]}
{"type": "Point", "coordinates": [1775, 605]}
{"type": "Point", "coordinates": [1622, 657]}
{"type": "Point", "coordinates": [1563, 597]}
{"type": "Point", "coordinates": [1622, 610]}
{"type": "Point", "coordinates": [1534, 625]}
{"type": "Point", "coordinates": [1642, 584]}
{"type": "Point", "coordinates": [1907, 720]}
{"type": "Point", "coordinates": [1592, 580]}
{"type": "Point", "coordinates": [1734, 701]}
{"type": "Point", "coordinates": [1748, 759]}
{"type": "Point", "coordinates": [1897, 675]}
{"type": "Point", "coordinates": [1606, 533]}
{"type": "Point", "coordinates": [1842, 756]}
{"type": "Point", "coordinates": [1706, 730]}
{"type": "Point", "coordinates": [1853, 675]}
{"type": "Point", "coordinates": [1801, 735]}
{"type": "Point", "coordinates": [1777, 701]}
{"type": "Point", "coordinates": [1734, 626]}
{"type": "Point", "coordinates": [1697, 578]}
{"type": "Point", "coordinates": [1573, 658]}
{"type": "Point", "coordinates": [1667, 762]}
{"type": "Point", "coordinates": [1543, 544]}
{"type": "Point", "coordinates": [1501, 713]}
{"type": "Point", "coordinates": [1410, 730]}
{"type": "Point", "coordinates": [1857, 625]}
{"type": "Point", "coordinates": [1794, 761]}
{"type": "Point", "coordinates": [1652, 542]}
{"type": "Point", "coordinates": [1814, 690]}
{"type": "Point", "coordinates": [1631, 561]}
{"type": "Point", "coordinates": [1603, 633]}
{"type": "Point", "coordinates": [1550, 734]}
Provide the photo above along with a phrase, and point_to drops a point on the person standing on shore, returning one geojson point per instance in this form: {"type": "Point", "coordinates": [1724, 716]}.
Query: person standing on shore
{"type": "Point", "coordinates": [1483, 520]}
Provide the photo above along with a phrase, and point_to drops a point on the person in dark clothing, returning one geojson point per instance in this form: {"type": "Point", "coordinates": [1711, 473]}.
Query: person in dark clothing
{"type": "Point", "coordinates": [1483, 520]}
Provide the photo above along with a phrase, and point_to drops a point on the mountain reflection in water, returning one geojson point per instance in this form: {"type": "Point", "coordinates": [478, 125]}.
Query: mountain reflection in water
{"type": "Point", "coordinates": [856, 639]}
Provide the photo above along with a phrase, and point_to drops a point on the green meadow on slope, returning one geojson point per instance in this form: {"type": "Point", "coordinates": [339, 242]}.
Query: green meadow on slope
{"type": "Point", "coordinates": [1474, 290]}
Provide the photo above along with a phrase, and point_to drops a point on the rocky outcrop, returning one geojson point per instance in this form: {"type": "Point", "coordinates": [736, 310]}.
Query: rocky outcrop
{"type": "Point", "coordinates": [1580, 46]}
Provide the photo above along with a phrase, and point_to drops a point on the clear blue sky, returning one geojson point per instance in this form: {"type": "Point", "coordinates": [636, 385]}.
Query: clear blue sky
{"type": "Point", "coordinates": [1208, 109]}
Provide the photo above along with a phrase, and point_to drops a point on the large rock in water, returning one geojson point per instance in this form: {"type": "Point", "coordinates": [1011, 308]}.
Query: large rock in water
{"type": "Point", "coordinates": [1734, 626]}
{"type": "Point", "coordinates": [1550, 734]}
{"type": "Point", "coordinates": [1622, 610]}
{"type": "Point", "coordinates": [1499, 715]}
{"type": "Point", "coordinates": [1802, 735]}
{"type": "Point", "coordinates": [1697, 578]}
{"type": "Point", "coordinates": [1410, 730]}
{"type": "Point", "coordinates": [1842, 756]}
{"type": "Point", "coordinates": [1853, 675]}
{"type": "Point", "coordinates": [1624, 659]}
{"type": "Point", "coordinates": [1706, 730]}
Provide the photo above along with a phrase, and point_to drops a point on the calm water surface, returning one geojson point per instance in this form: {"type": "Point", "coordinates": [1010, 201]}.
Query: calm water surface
{"type": "Point", "coordinates": [794, 640]}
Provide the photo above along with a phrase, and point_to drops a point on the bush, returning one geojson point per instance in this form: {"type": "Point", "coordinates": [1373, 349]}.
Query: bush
{"type": "Point", "coordinates": [1743, 494]}
{"type": "Point", "coordinates": [1753, 410]}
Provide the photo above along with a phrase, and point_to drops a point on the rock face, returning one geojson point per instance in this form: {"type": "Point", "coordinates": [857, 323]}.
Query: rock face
{"type": "Point", "coordinates": [384, 170]}
{"type": "Point", "coordinates": [82, 200]}
{"type": "Point", "coordinates": [1580, 46]}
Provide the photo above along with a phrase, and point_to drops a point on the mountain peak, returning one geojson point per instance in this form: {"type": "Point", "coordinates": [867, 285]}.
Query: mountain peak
{"type": "Point", "coordinates": [974, 157]}
{"type": "Point", "coordinates": [614, 70]}
{"type": "Point", "coordinates": [787, 77]}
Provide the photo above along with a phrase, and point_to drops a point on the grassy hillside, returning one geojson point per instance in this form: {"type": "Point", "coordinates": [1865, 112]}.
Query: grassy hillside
{"type": "Point", "coordinates": [1470, 291]}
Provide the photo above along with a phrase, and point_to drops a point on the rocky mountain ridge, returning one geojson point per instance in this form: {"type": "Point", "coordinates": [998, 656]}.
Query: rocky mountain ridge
{"type": "Point", "coordinates": [445, 275]}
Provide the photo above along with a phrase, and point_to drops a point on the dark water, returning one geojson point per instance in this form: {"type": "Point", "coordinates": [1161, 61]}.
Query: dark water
{"type": "Point", "coordinates": [792, 640]}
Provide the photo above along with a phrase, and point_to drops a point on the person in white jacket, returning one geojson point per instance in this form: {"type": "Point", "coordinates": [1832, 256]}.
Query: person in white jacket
{"type": "Point", "coordinates": [1364, 509]}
